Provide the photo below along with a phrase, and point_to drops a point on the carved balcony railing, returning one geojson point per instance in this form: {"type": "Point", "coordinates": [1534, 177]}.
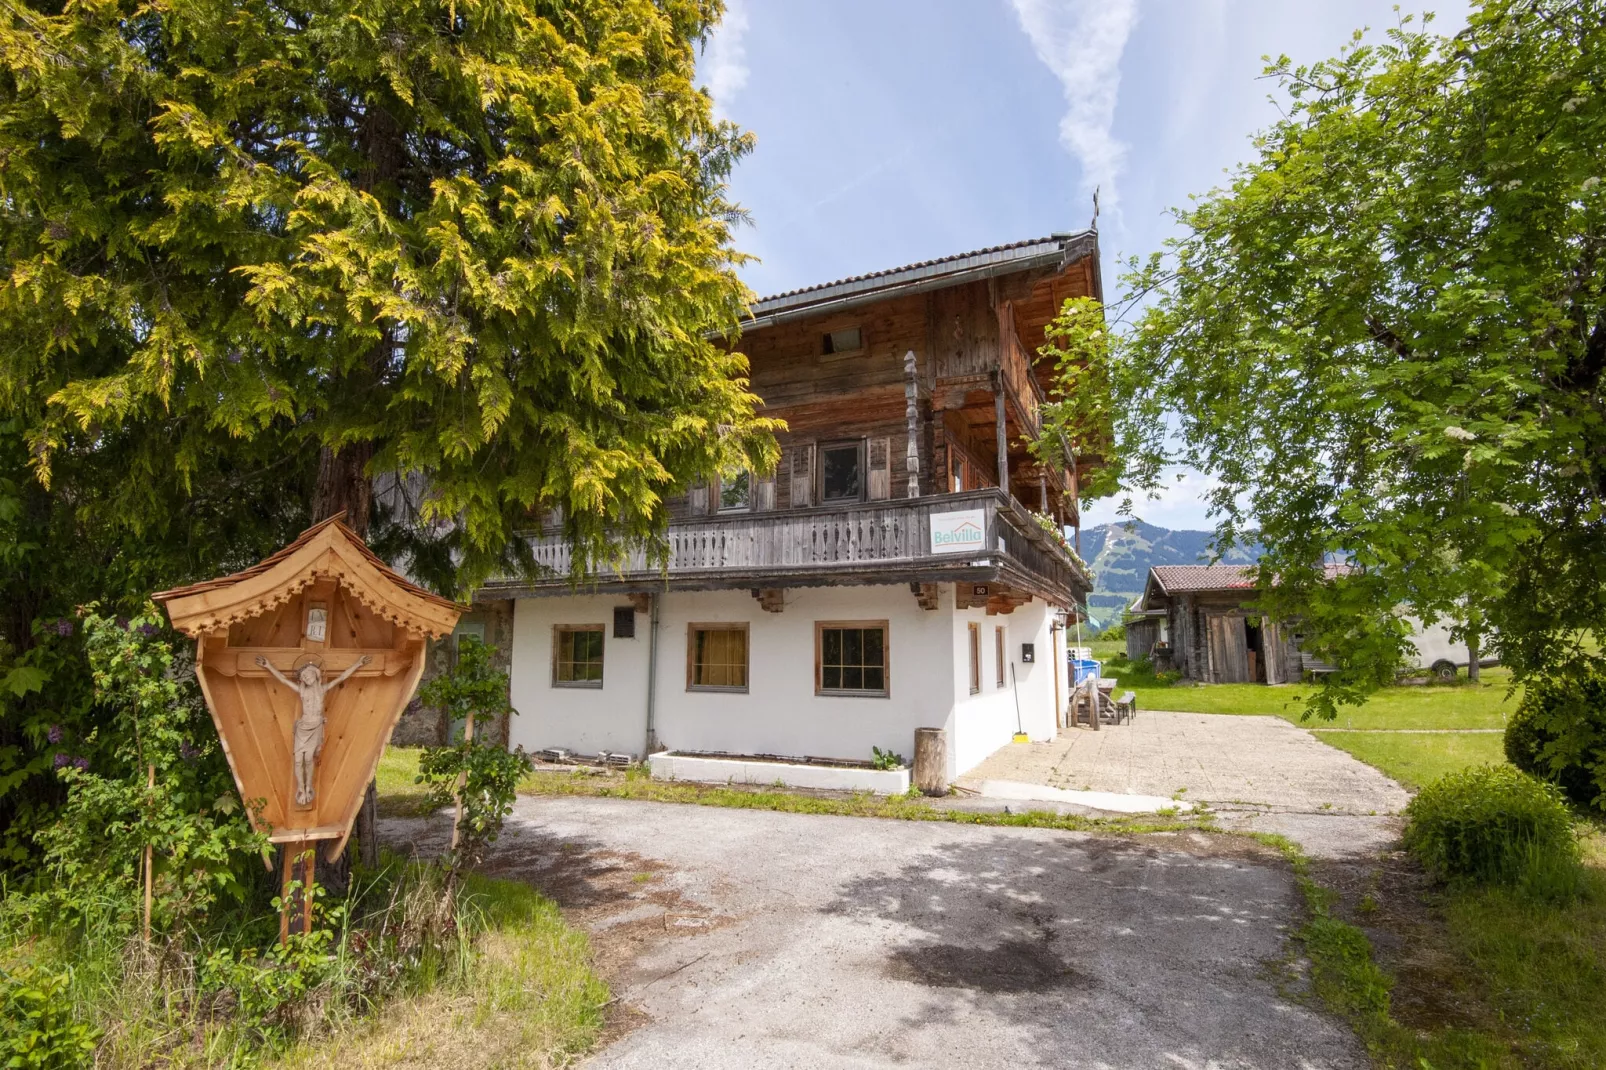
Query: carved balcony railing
{"type": "Point", "coordinates": [863, 542]}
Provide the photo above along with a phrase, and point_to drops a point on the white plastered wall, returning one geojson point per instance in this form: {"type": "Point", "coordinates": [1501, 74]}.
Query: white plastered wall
{"type": "Point", "coordinates": [780, 713]}
{"type": "Point", "coordinates": [987, 720]}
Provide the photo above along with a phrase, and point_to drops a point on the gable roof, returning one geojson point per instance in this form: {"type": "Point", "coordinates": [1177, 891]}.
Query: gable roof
{"type": "Point", "coordinates": [1054, 251]}
{"type": "Point", "coordinates": [328, 549]}
{"type": "Point", "coordinates": [1191, 579]}
{"type": "Point", "coordinates": [1168, 580]}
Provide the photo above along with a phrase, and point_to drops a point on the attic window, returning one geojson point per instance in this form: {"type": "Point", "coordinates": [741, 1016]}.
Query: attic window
{"type": "Point", "coordinates": [847, 340]}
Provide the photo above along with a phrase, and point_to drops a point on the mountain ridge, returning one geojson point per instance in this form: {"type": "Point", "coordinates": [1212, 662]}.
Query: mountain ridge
{"type": "Point", "coordinates": [1121, 555]}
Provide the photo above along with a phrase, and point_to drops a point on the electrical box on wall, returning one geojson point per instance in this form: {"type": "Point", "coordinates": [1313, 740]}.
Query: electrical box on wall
{"type": "Point", "coordinates": [1028, 652]}
{"type": "Point", "coordinates": [624, 622]}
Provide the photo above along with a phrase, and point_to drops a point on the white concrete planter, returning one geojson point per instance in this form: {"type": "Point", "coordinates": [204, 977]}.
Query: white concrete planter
{"type": "Point", "coordinates": [667, 765]}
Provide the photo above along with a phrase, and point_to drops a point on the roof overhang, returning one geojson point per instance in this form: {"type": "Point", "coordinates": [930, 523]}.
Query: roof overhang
{"type": "Point", "coordinates": [1054, 253]}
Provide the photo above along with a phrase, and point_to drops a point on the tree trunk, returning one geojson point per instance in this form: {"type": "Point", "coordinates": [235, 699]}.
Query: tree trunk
{"type": "Point", "coordinates": [1472, 659]}
{"type": "Point", "coordinates": [343, 485]}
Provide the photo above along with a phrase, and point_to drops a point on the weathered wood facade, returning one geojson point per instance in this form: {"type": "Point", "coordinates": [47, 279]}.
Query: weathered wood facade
{"type": "Point", "coordinates": [1201, 621]}
{"type": "Point", "coordinates": [919, 384]}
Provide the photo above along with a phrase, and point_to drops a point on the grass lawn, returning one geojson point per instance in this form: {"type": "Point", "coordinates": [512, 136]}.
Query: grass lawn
{"type": "Point", "coordinates": [1463, 705]}
{"type": "Point", "coordinates": [1418, 760]}
{"type": "Point", "coordinates": [530, 998]}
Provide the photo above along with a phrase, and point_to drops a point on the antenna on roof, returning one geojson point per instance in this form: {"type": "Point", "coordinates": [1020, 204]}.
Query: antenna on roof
{"type": "Point", "coordinates": [1095, 224]}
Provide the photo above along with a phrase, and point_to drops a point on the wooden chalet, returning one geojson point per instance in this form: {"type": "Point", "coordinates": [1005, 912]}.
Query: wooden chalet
{"type": "Point", "coordinates": [894, 555]}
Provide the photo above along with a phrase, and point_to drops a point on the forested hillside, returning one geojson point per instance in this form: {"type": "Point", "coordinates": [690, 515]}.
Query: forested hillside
{"type": "Point", "coordinates": [1122, 554]}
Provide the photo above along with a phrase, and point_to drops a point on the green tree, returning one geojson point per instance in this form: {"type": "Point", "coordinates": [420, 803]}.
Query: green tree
{"type": "Point", "coordinates": [453, 266]}
{"type": "Point", "coordinates": [486, 242]}
{"type": "Point", "coordinates": [1387, 340]}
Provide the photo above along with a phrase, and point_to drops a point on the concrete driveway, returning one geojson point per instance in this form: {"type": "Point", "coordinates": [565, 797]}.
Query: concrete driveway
{"type": "Point", "coordinates": [738, 938]}
{"type": "Point", "coordinates": [1227, 761]}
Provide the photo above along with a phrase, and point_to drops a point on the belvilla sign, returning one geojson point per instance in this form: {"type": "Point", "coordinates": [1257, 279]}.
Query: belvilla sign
{"type": "Point", "coordinates": [957, 533]}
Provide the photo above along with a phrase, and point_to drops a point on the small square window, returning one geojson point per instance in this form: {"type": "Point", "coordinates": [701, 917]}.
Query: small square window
{"type": "Point", "coordinates": [846, 340]}
{"type": "Point", "coordinates": [577, 655]}
{"type": "Point", "coordinates": [716, 657]}
{"type": "Point", "coordinates": [851, 657]}
{"type": "Point", "coordinates": [736, 492]}
{"type": "Point", "coordinates": [842, 472]}
{"type": "Point", "coordinates": [624, 622]}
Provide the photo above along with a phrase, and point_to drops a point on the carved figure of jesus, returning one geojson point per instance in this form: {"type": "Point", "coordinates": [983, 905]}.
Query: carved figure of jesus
{"type": "Point", "coordinates": [308, 744]}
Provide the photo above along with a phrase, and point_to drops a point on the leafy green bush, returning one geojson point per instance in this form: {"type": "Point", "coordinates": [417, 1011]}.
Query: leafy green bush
{"type": "Point", "coordinates": [1490, 824]}
{"type": "Point", "coordinates": [885, 759]}
{"type": "Point", "coordinates": [37, 1028]}
{"type": "Point", "coordinates": [1559, 733]}
{"type": "Point", "coordinates": [481, 776]}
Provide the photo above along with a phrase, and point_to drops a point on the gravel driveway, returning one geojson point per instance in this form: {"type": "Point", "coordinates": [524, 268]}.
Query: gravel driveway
{"type": "Point", "coordinates": [738, 938]}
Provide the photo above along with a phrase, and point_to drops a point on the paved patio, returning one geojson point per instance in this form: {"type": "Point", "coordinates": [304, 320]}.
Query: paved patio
{"type": "Point", "coordinates": [1226, 761]}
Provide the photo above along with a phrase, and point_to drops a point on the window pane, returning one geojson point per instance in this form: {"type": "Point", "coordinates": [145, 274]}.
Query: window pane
{"type": "Point", "coordinates": [719, 657]}
{"type": "Point", "coordinates": [853, 659]}
{"type": "Point", "coordinates": [874, 639]}
{"type": "Point", "coordinates": [734, 491]}
{"type": "Point", "coordinates": [841, 473]}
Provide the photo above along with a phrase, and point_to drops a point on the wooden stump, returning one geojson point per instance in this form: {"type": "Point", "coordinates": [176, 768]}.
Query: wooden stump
{"type": "Point", "coordinates": [931, 760]}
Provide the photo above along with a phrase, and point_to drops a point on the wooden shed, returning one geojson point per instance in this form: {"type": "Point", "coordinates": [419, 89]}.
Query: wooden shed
{"type": "Point", "coordinates": [1203, 621]}
{"type": "Point", "coordinates": [322, 617]}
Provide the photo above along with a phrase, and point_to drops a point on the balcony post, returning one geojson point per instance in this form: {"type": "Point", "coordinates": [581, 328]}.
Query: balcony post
{"type": "Point", "coordinates": [998, 420]}
{"type": "Point", "coordinates": [911, 395]}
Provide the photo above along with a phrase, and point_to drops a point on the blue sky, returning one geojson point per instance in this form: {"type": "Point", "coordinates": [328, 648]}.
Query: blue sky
{"type": "Point", "coordinates": [891, 131]}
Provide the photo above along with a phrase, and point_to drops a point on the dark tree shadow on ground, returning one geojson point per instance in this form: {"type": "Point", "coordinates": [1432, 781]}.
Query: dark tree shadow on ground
{"type": "Point", "coordinates": [1103, 952]}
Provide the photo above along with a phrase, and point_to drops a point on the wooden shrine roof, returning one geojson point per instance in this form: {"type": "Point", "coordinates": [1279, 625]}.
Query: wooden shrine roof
{"type": "Point", "coordinates": [328, 549]}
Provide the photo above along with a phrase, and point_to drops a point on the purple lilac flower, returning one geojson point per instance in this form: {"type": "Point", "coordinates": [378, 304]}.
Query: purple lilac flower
{"type": "Point", "coordinates": [187, 752]}
{"type": "Point", "coordinates": [80, 763]}
{"type": "Point", "coordinates": [55, 733]}
{"type": "Point", "coordinates": [148, 629]}
{"type": "Point", "coordinates": [60, 760]}
{"type": "Point", "coordinates": [64, 627]}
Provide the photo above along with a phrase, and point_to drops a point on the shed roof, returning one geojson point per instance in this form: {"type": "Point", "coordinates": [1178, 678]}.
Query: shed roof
{"type": "Point", "coordinates": [1053, 251]}
{"type": "Point", "coordinates": [327, 549]}
{"type": "Point", "coordinates": [1190, 579]}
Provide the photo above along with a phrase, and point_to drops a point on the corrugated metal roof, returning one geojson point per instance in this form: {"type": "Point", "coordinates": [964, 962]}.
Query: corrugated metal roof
{"type": "Point", "coordinates": [927, 274]}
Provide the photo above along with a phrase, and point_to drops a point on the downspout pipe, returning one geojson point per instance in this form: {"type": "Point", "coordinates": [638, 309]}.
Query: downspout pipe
{"type": "Point", "coordinates": [652, 675]}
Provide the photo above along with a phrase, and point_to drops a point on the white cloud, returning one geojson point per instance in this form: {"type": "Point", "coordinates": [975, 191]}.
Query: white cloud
{"type": "Point", "coordinates": [727, 57]}
{"type": "Point", "coordinates": [1081, 42]}
{"type": "Point", "coordinates": [1182, 504]}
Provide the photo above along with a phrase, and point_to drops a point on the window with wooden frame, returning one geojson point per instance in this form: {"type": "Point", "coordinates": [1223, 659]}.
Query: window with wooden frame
{"type": "Point", "coordinates": [852, 658]}
{"type": "Point", "coordinates": [577, 655]}
{"type": "Point", "coordinates": [975, 658]}
{"type": "Point", "coordinates": [842, 342]}
{"type": "Point", "coordinates": [998, 643]}
{"type": "Point", "coordinates": [736, 492]}
{"type": "Point", "coordinates": [842, 471]}
{"type": "Point", "coordinates": [716, 657]}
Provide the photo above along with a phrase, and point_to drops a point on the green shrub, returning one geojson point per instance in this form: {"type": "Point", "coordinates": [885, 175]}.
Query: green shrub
{"type": "Point", "coordinates": [885, 759]}
{"type": "Point", "coordinates": [37, 1027]}
{"type": "Point", "coordinates": [1491, 824]}
{"type": "Point", "coordinates": [1558, 733]}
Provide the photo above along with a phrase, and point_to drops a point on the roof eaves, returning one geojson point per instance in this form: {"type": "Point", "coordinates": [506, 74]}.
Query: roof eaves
{"type": "Point", "coordinates": [1056, 250]}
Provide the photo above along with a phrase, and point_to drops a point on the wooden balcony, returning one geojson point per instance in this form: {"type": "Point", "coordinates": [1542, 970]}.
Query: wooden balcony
{"type": "Point", "coordinates": [861, 543]}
